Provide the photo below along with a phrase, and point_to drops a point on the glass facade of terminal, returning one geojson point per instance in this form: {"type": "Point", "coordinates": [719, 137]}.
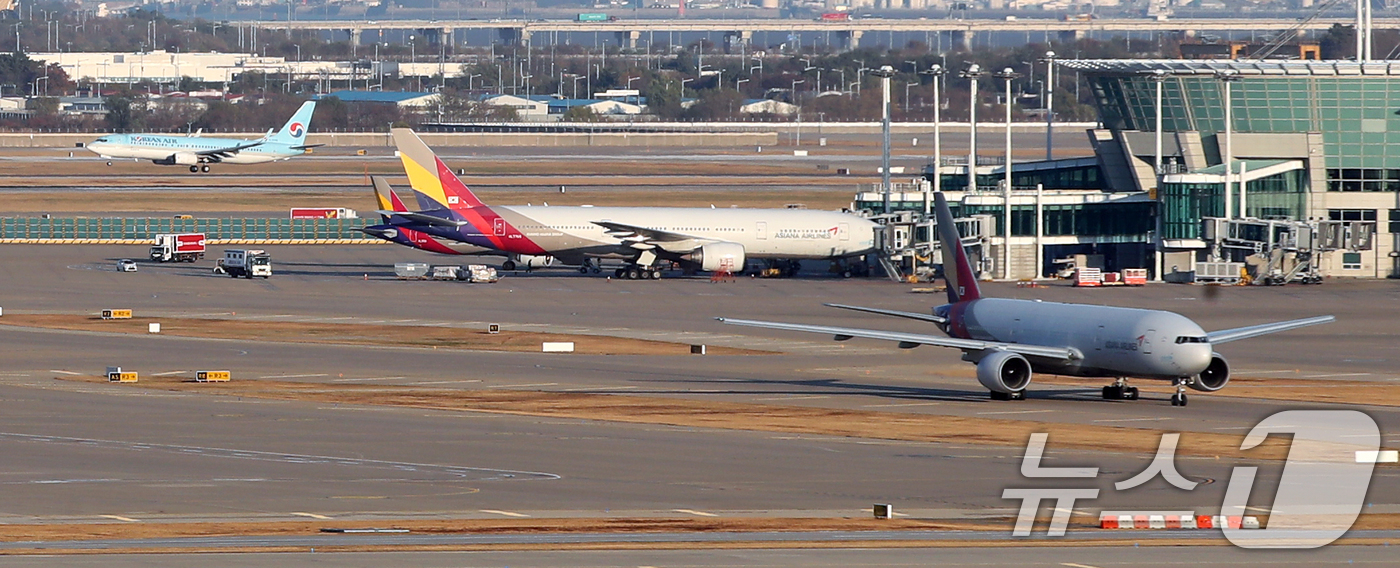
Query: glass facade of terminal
{"type": "Point", "coordinates": [1355, 115]}
{"type": "Point", "coordinates": [1279, 196]}
{"type": "Point", "coordinates": [1108, 222]}
{"type": "Point", "coordinates": [1079, 177]}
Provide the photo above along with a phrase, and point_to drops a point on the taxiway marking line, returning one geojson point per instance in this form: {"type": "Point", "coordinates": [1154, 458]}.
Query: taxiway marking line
{"type": "Point", "coordinates": [696, 513]}
{"type": "Point", "coordinates": [793, 397]}
{"type": "Point", "coordinates": [62, 372]}
{"type": "Point", "coordinates": [900, 404]}
{"type": "Point", "coordinates": [294, 376]}
{"type": "Point", "coordinates": [1132, 419]}
{"type": "Point", "coordinates": [522, 386]}
{"type": "Point", "coordinates": [367, 379]}
{"type": "Point", "coordinates": [1324, 376]}
{"type": "Point", "coordinates": [600, 388]}
{"type": "Point", "coordinates": [1017, 412]}
{"type": "Point", "coordinates": [167, 373]}
{"type": "Point", "coordinates": [445, 382]}
{"type": "Point", "coordinates": [120, 518]}
{"type": "Point", "coordinates": [506, 513]}
{"type": "Point", "coordinates": [312, 515]}
{"type": "Point", "coordinates": [1073, 565]}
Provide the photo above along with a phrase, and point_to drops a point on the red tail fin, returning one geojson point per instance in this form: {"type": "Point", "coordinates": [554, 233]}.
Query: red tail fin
{"type": "Point", "coordinates": [957, 271]}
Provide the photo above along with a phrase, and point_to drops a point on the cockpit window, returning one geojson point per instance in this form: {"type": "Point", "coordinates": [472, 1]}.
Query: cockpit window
{"type": "Point", "coordinates": [101, 139]}
{"type": "Point", "coordinates": [1191, 339]}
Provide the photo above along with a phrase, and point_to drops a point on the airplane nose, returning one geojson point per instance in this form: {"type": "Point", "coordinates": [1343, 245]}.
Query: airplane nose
{"type": "Point", "coordinates": [1200, 357]}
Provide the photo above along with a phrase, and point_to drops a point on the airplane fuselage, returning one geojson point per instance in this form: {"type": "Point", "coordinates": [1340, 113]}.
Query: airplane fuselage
{"type": "Point", "coordinates": [1111, 341]}
{"type": "Point", "coordinates": [163, 146]}
{"type": "Point", "coordinates": [571, 234]}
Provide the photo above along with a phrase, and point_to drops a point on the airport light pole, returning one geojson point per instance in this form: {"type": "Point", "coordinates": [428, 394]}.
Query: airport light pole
{"type": "Point", "coordinates": [1007, 75]}
{"type": "Point", "coordinates": [1049, 61]}
{"type": "Point", "coordinates": [936, 73]}
{"type": "Point", "coordinates": [1227, 77]}
{"type": "Point", "coordinates": [972, 74]}
{"type": "Point", "coordinates": [885, 73]}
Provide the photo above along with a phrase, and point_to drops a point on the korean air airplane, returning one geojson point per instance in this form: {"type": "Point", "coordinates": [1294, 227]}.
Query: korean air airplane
{"type": "Point", "coordinates": [198, 152]}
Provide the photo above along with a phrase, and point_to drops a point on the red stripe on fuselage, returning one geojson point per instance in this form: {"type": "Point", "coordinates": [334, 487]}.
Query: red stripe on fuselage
{"type": "Point", "coordinates": [425, 241]}
{"type": "Point", "coordinates": [957, 326]}
{"type": "Point", "coordinates": [482, 217]}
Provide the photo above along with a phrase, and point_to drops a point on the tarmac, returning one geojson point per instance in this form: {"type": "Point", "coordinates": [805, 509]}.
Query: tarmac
{"type": "Point", "coordinates": [95, 453]}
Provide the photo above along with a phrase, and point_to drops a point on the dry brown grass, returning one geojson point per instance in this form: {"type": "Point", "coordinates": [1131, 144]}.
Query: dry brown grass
{"type": "Point", "coordinates": [960, 430]}
{"type": "Point", "coordinates": [357, 334]}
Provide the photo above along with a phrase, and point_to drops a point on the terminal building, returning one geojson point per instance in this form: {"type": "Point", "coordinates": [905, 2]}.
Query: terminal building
{"type": "Point", "coordinates": [1315, 146]}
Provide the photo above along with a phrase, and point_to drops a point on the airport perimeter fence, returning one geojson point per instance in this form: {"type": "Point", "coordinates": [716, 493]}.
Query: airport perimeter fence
{"type": "Point", "coordinates": [217, 231]}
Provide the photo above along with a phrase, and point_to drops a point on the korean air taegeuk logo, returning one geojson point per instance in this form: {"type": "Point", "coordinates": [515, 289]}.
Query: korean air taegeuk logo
{"type": "Point", "coordinates": [297, 129]}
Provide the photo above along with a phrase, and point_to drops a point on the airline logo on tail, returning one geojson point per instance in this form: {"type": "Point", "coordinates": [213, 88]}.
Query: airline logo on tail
{"type": "Point", "coordinates": [433, 181]}
{"type": "Point", "coordinates": [297, 129]}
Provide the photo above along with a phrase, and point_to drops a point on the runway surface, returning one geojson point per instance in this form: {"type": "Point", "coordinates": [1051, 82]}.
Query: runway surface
{"type": "Point", "coordinates": [84, 452]}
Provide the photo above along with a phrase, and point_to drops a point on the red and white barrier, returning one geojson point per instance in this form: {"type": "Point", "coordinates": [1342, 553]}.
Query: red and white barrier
{"type": "Point", "coordinates": [1145, 520]}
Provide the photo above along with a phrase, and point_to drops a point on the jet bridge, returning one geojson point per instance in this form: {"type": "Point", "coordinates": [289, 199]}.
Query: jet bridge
{"type": "Point", "coordinates": [1283, 251]}
{"type": "Point", "coordinates": [909, 245]}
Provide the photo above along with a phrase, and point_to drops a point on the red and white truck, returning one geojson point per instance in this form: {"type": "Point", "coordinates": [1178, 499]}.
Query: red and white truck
{"type": "Point", "coordinates": [324, 213]}
{"type": "Point", "coordinates": [178, 247]}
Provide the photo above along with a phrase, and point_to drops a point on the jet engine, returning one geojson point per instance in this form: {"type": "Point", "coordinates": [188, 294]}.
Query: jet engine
{"type": "Point", "coordinates": [179, 159]}
{"type": "Point", "coordinates": [526, 261]}
{"type": "Point", "coordinates": [718, 256]}
{"type": "Point", "coordinates": [1215, 377]}
{"type": "Point", "coordinates": [1004, 372]}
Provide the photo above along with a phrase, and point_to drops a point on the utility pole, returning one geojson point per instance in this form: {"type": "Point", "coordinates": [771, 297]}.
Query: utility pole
{"type": "Point", "coordinates": [936, 73]}
{"type": "Point", "coordinates": [1049, 61]}
{"type": "Point", "coordinates": [884, 73]}
{"type": "Point", "coordinates": [972, 73]}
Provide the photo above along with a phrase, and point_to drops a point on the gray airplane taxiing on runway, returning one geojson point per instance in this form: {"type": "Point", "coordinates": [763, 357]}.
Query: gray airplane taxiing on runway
{"type": "Point", "coordinates": [1010, 339]}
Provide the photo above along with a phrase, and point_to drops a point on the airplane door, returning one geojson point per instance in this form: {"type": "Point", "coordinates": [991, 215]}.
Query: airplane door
{"type": "Point", "coordinates": [500, 226]}
{"type": "Point", "coordinates": [1098, 339]}
{"type": "Point", "coordinates": [843, 231]}
{"type": "Point", "coordinates": [1147, 341]}
{"type": "Point", "coordinates": [761, 231]}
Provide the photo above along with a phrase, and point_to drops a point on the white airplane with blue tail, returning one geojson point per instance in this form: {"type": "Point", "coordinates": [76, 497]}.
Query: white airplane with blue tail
{"type": "Point", "coordinates": [198, 152]}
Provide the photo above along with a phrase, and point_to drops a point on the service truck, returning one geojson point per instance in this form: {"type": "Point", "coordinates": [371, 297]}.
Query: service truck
{"type": "Point", "coordinates": [178, 247]}
{"type": "Point", "coordinates": [246, 263]}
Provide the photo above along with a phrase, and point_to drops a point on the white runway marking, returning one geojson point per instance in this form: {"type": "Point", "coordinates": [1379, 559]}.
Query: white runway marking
{"type": "Point", "coordinates": [61, 372]}
{"type": "Point", "coordinates": [599, 388]}
{"type": "Point", "coordinates": [120, 518]}
{"type": "Point", "coordinates": [505, 513]}
{"type": "Point", "coordinates": [312, 515]}
{"type": "Point", "coordinates": [899, 404]}
{"type": "Point", "coordinates": [1016, 412]}
{"type": "Point", "coordinates": [696, 513]}
{"type": "Point", "coordinates": [522, 386]}
{"type": "Point", "coordinates": [168, 373]}
{"type": "Point", "coordinates": [793, 397]}
{"type": "Point", "coordinates": [1336, 375]}
{"type": "Point", "coordinates": [445, 382]}
{"type": "Point", "coordinates": [367, 379]}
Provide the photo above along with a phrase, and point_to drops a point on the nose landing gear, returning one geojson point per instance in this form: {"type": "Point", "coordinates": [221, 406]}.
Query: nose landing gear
{"type": "Point", "coordinates": [1179, 399]}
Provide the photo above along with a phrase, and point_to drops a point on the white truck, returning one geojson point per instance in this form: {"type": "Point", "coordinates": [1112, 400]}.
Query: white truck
{"type": "Point", "coordinates": [245, 263]}
{"type": "Point", "coordinates": [178, 247]}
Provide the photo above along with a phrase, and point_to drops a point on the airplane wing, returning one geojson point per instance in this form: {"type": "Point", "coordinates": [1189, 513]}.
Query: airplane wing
{"type": "Point", "coordinates": [910, 340]}
{"type": "Point", "coordinates": [1228, 335]}
{"type": "Point", "coordinates": [424, 218]}
{"type": "Point", "coordinates": [224, 152]}
{"type": "Point", "coordinates": [307, 146]}
{"type": "Point", "coordinates": [645, 238]}
{"type": "Point", "coordinates": [911, 315]}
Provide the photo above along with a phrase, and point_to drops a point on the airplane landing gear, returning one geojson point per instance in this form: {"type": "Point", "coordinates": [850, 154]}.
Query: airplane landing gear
{"type": "Point", "coordinates": [1179, 399]}
{"type": "Point", "coordinates": [635, 272]}
{"type": "Point", "coordinates": [508, 265]}
{"type": "Point", "coordinates": [1018, 395]}
{"type": "Point", "coordinates": [1120, 391]}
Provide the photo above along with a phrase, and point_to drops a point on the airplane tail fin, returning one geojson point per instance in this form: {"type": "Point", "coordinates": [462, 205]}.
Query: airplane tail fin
{"type": "Point", "coordinates": [294, 131]}
{"type": "Point", "coordinates": [386, 196]}
{"type": "Point", "coordinates": [957, 271]}
{"type": "Point", "coordinates": [430, 177]}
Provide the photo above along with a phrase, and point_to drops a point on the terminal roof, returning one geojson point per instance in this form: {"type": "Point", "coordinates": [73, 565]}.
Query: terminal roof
{"type": "Point", "coordinates": [1242, 67]}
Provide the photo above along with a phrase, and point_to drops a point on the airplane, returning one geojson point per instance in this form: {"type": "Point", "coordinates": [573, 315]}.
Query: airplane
{"type": "Point", "coordinates": [389, 204]}
{"type": "Point", "coordinates": [198, 152]}
{"type": "Point", "coordinates": [709, 239]}
{"type": "Point", "coordinates": [1010, 339]}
